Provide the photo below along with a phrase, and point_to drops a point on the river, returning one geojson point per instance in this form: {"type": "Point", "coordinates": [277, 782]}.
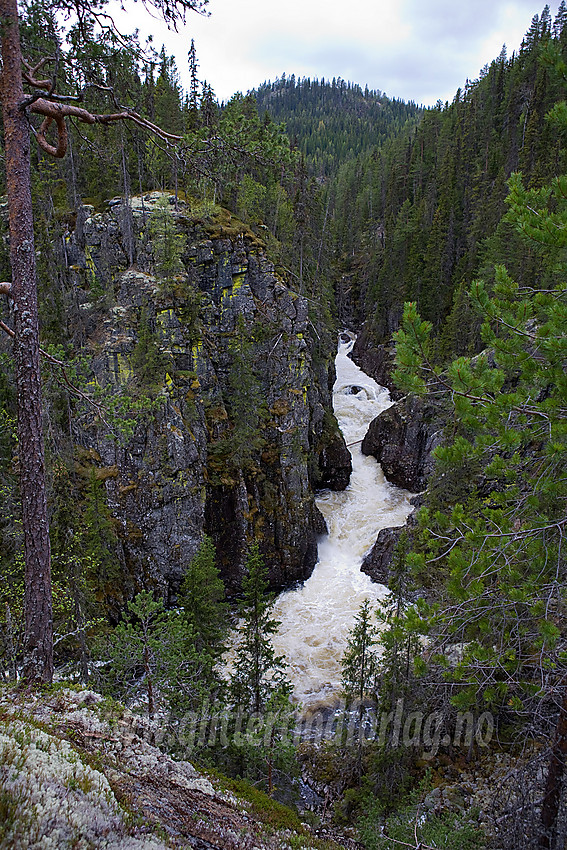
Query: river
{"type": "Point", "coordinates": [317, 616]}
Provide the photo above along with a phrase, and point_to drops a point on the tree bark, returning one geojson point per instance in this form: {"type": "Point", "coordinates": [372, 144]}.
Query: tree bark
{"type": "Point", "coordinates": [38, 641]}
{"type": "Point", "coordinates": [555, 772]}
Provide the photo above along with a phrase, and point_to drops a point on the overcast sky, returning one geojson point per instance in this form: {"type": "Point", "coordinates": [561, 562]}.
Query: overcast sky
{"type": "Point", "coordinates": [420, 50]}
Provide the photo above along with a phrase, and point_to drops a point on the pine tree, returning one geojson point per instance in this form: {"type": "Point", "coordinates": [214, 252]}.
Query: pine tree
{"type": "Point", "coordinates": [359, 659]}
{"type": "Point", "coordinates": [148, 652]}
{"type": "Point", "coordinates": [246, 402]}
{"type": "Point", "coordinates": [259, 674]}
{"type": "Point", "coordinates": [497, 540]}
{"type": "Point", "coordinates": [168, 244]}
{"type": "Point", "coordinates": [205, 611]}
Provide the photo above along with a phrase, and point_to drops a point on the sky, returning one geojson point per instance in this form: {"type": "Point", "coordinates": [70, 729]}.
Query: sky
{"type": "Point", "coordinates": [420, 50]}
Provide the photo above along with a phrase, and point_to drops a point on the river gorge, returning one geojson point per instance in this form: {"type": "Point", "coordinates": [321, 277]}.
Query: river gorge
{"type": "Point", "coordinates": [316, 616]}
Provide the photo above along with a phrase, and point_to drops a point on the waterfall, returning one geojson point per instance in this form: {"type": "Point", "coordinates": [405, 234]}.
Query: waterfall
{"type": "Point", "coordinates": [316, 617]}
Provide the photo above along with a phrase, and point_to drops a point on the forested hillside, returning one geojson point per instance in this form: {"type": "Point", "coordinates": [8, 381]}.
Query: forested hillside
{"type": "Point", "coordinates": [465, 222]}
{"type": "Point", "coordinates": [332, 122]}
{"type": "Point", "coordinates": [418, 217]}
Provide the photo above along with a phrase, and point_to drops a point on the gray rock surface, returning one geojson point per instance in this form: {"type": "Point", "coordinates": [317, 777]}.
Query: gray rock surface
{"type": "Point", "coordinates": [239, 429]}
{"type": "Point", "coordinates": [402, 439]}
{"type": "Point", "coordinates": [377, 562]}
{"type": "Point", "coordinates": [377, 360]}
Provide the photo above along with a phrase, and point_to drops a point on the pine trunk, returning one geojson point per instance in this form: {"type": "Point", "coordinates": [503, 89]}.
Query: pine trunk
{"type": "Point", "coordinates": [555, 772]}
{"type": "Point", "coordinates": [38, 659]}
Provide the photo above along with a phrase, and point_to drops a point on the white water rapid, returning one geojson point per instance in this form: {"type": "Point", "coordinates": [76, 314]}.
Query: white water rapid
{"type": "Point", "coordinates": [316, 617]}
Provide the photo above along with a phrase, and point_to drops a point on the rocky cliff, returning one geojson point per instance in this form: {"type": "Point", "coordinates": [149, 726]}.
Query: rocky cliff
{"type": "Point", "coordinates": [377, 360]}
{"type": "Point", "coordinates": [223, 384]}
{"type": "Point", "coordinates": [402, 439]}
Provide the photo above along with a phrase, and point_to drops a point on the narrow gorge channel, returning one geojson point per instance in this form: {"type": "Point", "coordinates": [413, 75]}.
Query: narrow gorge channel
{"type": "Point", "coordinates": [317, 616]}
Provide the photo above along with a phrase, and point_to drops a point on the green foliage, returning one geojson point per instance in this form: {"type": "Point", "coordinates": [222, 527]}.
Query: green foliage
{"type": "Point", "coordinates": [497, 542]}
{"type": "Point", "coordinates": [239, 446]}
{"type": "Point", "coordinates": [258, 681]}
{"type": "Point", "coordinates": [359, 659]}
{"type": "Point", "coordinates": [418, 216]}
{"type": "Point", "coordinates": [172, 655]}
{"type": "Point", "coordinates": [332, 120]}
{"type": "Point", "coordinates": [261, 742]}
{"type": "Point", "coordinates": [412, 350]}
{"type": "Point", "coordinates": [114, 407]}
{"type": "Point", "coordinates": [149, 652]}
{"type": "Point", "coordinates": [168, 244]}
{"type": "Point", "coordinates": [12, 615]}
{"type": "Point", "coordinates": [265, 809]}
{"type": "Point", "coordinates": [204, 609]}
{"type": "Point", "coordinates": [411, 826]}
{"type": "Point", "coordinates": [148, 360]}
{"type": "Point", "coordinates": [86, 579]}
{"type": "Point", "coordinates": [98, 542]}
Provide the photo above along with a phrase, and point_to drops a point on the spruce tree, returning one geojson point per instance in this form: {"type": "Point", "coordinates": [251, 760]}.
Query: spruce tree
{"type": "Point", "coordinates": [193, 84]}
{"type": "Point", "coordinates": [205, 611]}
{"type": "Point", "coordinates": [259, 690]}
{"type": "Point", "coordinates": [359, 659]}
{"type": "Point", "coordinates": [149, 363]}
{"type": "Point", "coordinates": [100, 543]}
{"type": "Point", "coordinates": [259, 674]}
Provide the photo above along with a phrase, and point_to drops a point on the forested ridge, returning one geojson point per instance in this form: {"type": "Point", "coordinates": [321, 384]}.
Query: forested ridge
{"type": "Point", "coordinates": [195, 261]}
{"type": "Point", "coordinates": [331, 121]}
{"type": "Point", "coordinates": [419, 217]}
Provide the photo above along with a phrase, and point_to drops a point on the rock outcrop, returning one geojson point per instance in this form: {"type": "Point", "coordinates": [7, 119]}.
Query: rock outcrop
{"type": "Point", "coordinates": [78, 772]}
{"type": "Point", "coordinates": [376, 563]}
{"type": "Point", "coordinates": [402, 439]}
{"type": "Point", "coordinates": [227, 424]}
{"type": "Point", "coordinates": [376, 360]}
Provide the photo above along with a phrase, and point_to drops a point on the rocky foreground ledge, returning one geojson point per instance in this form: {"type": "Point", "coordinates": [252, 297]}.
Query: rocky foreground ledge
{"type": "Point", "coordinates": [79, 772]}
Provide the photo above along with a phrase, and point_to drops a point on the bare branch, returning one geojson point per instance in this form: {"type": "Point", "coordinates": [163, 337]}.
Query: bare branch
{"type": "Point", "coordinates": [75, 390]}
{"type": "Point", "coordinates": [38, 84]}
{"type": "Point", "coordinates": [60, 150]}
{"type": "Point", "coordinates": [58, 112]}
{"type": "Point", "coordinates": [30, 77]}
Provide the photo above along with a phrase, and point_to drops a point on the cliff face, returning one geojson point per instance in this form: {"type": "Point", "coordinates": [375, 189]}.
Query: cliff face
{"type": "Point", "coordinates": [402, 439]}
{"type": "Point", "coordinates": [377, 360]}
{"type": "Point", "coordinates": [186, 317]}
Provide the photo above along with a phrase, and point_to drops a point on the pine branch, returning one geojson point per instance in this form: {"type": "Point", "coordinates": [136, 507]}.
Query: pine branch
{"type": "Point", "coordinates": [61, 366]}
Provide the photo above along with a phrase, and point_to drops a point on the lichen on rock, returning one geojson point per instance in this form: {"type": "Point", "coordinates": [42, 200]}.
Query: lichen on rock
{"type": "Point", "coordinates": [232, 440]}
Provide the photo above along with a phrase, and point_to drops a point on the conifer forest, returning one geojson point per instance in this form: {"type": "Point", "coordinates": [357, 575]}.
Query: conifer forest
{"type": "Point", "coordinates": [177, 450]}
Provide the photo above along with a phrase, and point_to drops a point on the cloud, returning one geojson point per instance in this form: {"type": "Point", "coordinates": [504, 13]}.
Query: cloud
{"type": "Point", "coordinates": [420, 50]}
